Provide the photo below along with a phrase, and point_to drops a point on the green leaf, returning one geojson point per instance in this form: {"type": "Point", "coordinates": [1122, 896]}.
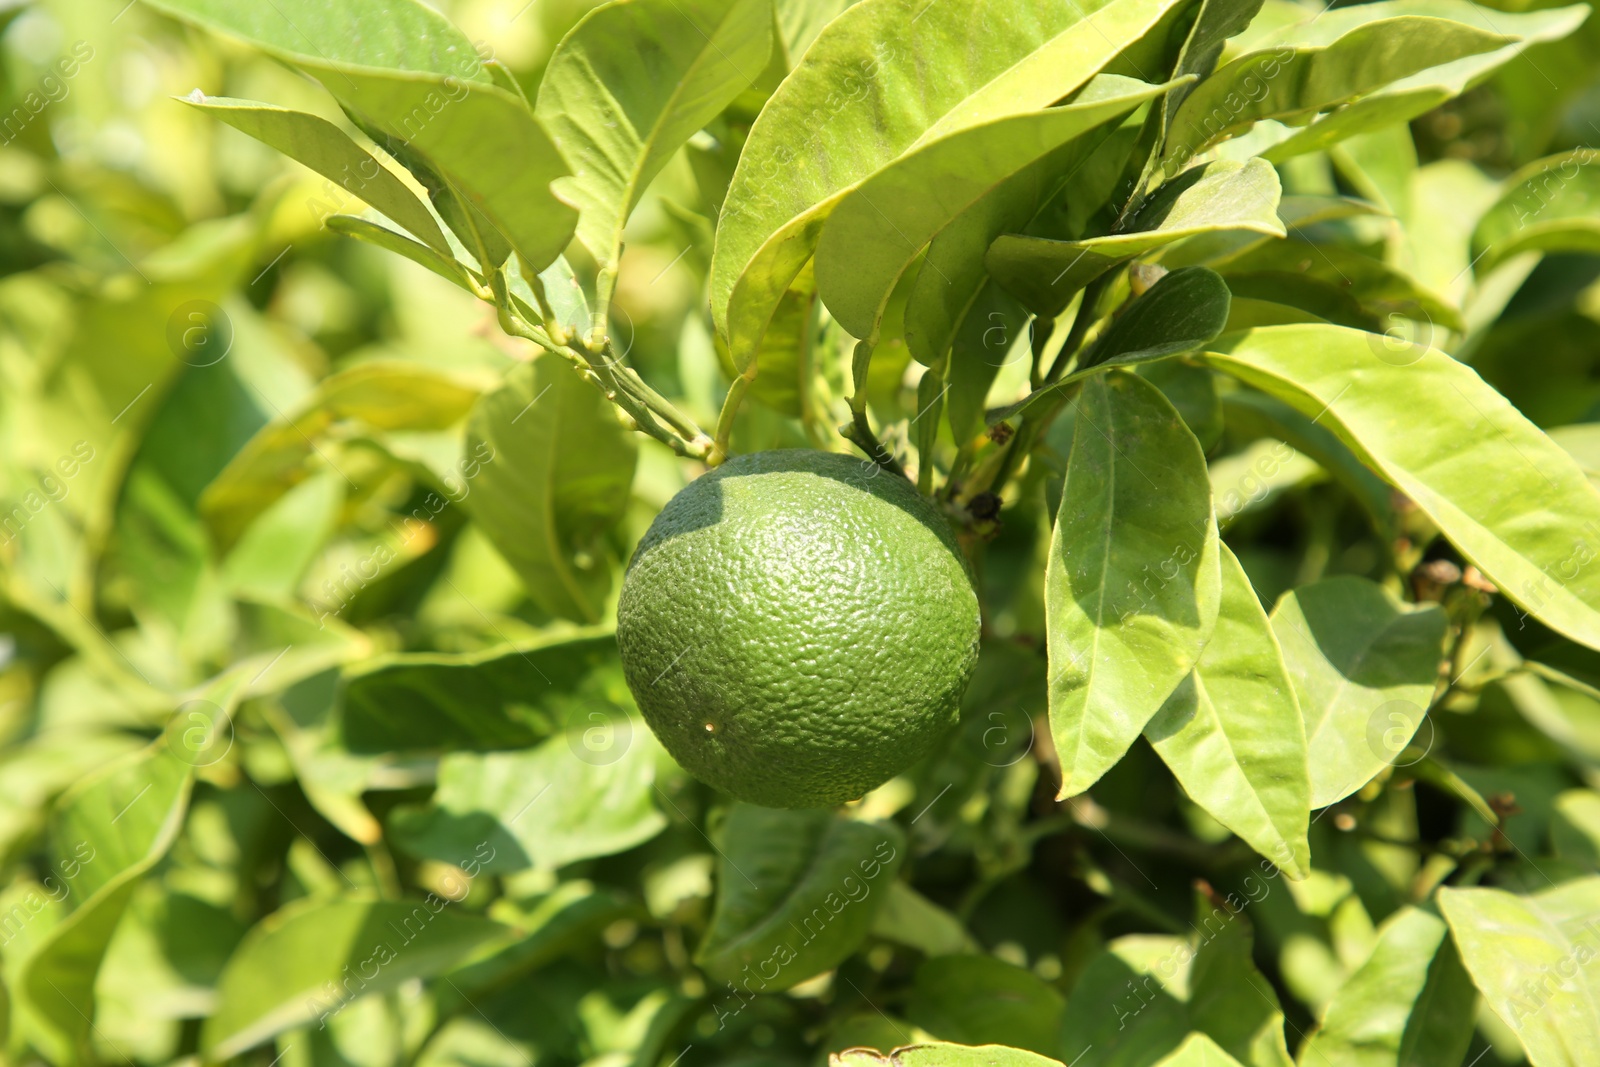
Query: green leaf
{"type": "Point", "coordinates": [1559, 387]}
{"type": "Point", "coordinates": [1336, 283]}
{"type": "Point", "coordinates": [600, 802]}
{"type": "Point", "coordinates": [862, 98]}
{"type": "Point", "coordinates": [988, 337]}
{"type": "Point", "coordinates": [555, 924]}
{"type": "Point", "coordinates": [1551, 205]}
{"type": "Point", "coordinates": [1183, 311]}
{"type": "Point", "coordinates": [273, 553]}
{"type": "Point", "coordinates": [1192, 391]}
{"type": "Point", "coordinates": [1575, 827]}
{"type": "Point", "coordinates": [1438, 773]}
{"type": "Point", "coordinates": [1216, 21]}
{"type": "Point", "coordinates": [331, 777]}
{"type": "Point", "coordinates": [1198, 1050]}
{"type": "Point", "coordinates": [496, 1029]}
{"type": "Point", "coordinates": [41, 907]}
{"type": "Point", "coordinates": [1257, 415]}
{"type": "Point", "coordinates": [955, 307]}
{"type": "Point", "coordinates": [1532, 959]}
{"type": "Point", "coordinates": [1254, 477]}
{"type": "Point", "coordinates": [1230, 1000]}
{"type": "Point", "coordinates": [786, 366]}
{"type": "Point", "coordinates": [980, 1000]}
{"type": "Point", "coordinates": [637, 1035]}
{"type": "Point", "coordinates": [326, 149]}
{"type": "Point", "coordinates": [909, 918]}
{"type": "Point", "coordinates": [1247, 312]}
{"type": "Point", "coordinates": [1568, 715]}
{"type": "Point", "coordinates": [799, 22]}
{"type": "Point", "coordinates": [1446, 197]}
{"type": "Point", "coordinates": [1381, 166]}
{"type": "Point", "coordinates": [506, 697]}
{"type": "Point", "coordinates": [797, 891]}
{"type": "Point", "coordinates": [1582, 443]}
{"type": "Point", "coordinates": [1508, 497]}
{"type": "Point", "coordinates": [451, 270]}
{"type": "Point", "coordinates": [397, 35]}
{"type": "Point", "coordinates": [314, 646]}
{"type": "Point", "coordinates": [1364, 668]}
{"type": "Point", "coordinates": [1532, 786]}
{"type": "Point", "coordinates": [940, 1054]}
{"type": "Point", "coordinates": [415, 84]}
{"type": "Point", "coordinates": [560, 479]}
{"type": "Point", "coordinates": [1419, 93]}
{"type": "Point", "coordinates": [1145, 997]}
{"type": "Point", "coordinates": [876, 231]}
{"type": "Point", "coordinates": [568, 302]}
{"type": "Point", "coordinates": [852, 1039]}
{"type": "Point", "coordinates": [1132, 583]}
{"type": "Point", "coordinates": [34, 772]}
{"type": "Point", "coordinates": [310, 960]}
{"type": "Point", "coordinates": [1409, 1005]}
{"type": "Point", "coordinates": [1232, 732]}
{"type": "Point", "coordinates": [106, 834]}
{"type": "Point", "coordinates": [1128, 1007]}
{"type": "Point", "coordinates": [383, 394]}
{"type": "Point", "coordinates": [1326, 61]}
{"type": "Point", "coordinates": [161, 967]}
{"type": "Point", "coordinates": [492, 155]}
{"type": "Point", "coordinates": [1044, 274]}
{"type": "Point", "coordinates": [628, 86]}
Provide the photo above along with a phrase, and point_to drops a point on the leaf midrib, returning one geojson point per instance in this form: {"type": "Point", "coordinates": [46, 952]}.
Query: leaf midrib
{"type": "Point", "coordinates": [1424, 999]}
{"type": "Point", "coordinates": [625, 207]}
{"type": "Point", "coordinates": [796, 884]}
{"type": "Point", "coordinates": [542, 479]}
{"type": "Point", "coordinates": [1354, 665]}
{"type": "Point", "coordinates": [1560, 603]}
{"type": "Point", "coordinates": [1203, 699]}
{"type": "Point", "coordinates": [1105, 570]}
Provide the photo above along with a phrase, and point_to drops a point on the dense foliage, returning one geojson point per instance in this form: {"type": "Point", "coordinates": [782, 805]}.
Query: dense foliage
{"type": "Point", "coordinates": [1251, 347]}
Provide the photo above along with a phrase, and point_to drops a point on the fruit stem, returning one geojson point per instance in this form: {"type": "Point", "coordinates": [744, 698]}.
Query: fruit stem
{"type": "Point", "coordinates": [930, 406]}
{"type": "Point", "coordinates": [859, 433]}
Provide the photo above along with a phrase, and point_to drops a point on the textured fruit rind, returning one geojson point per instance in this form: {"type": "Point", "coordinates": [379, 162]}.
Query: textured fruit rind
{"type": "Point", "coordinates": [798, 627]}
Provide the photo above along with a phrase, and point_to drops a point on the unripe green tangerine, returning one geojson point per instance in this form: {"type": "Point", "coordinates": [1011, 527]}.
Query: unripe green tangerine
{"type": "Point", "coordinates": [797, 627]}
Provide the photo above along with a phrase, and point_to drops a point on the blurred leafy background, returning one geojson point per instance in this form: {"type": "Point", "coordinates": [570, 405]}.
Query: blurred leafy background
{"type": "Point", "coordinates": [238, 497]}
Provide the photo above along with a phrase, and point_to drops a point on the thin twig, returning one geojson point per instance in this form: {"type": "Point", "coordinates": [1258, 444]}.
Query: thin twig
{"type": "Point", "coordinates": [645, 408]}
{"type": "Point", "coordinates": [1081, 322]}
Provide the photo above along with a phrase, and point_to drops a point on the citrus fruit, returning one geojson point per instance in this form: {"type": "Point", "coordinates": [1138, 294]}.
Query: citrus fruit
{"type": "Point", "coordinates": [798, 627]}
